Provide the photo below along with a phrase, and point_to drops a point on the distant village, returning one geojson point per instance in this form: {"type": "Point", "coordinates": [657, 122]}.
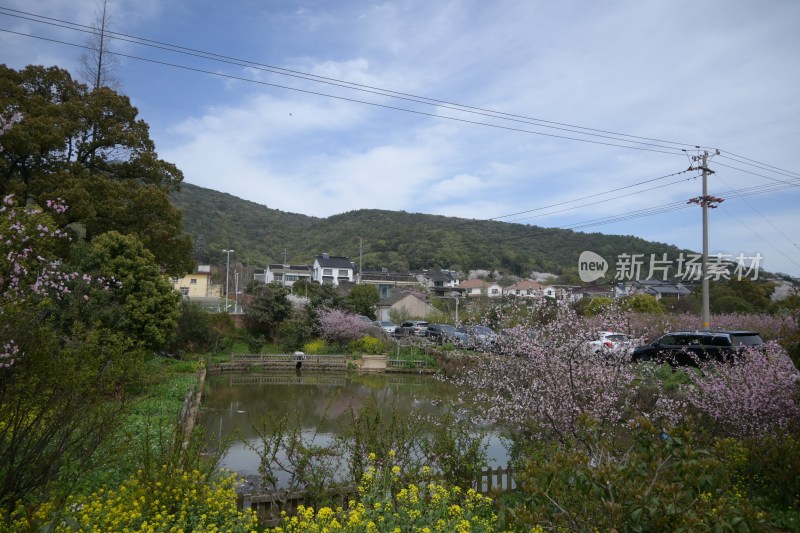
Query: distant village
{"type": "Point", "coordinates": [409, 293]}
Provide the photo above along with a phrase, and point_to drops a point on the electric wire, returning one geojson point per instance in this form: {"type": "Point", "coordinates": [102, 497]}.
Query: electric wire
{"type": "Point", "coordinates": [452, 106]}
{"type": "Point", "coordinates": [730, 214]}
{"type": "Point", "coordinates": [673, 206]}
{"type": "Point", "coordinates": [352, 100]}
{"type": "Point", "coordinates": [588, 196]}
{"type": "Point", "coordinates": [606, 199]}
{"type": "Point", "coordinates": [375, 90]}
{"type": "Point", "coordinates": [350, 85]}
{"type": "Point", "coordinates": [768, 221]}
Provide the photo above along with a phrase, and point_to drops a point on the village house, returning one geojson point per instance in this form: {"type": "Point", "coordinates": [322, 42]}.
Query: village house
{"type": "Point", "coordinates": [333, 270]}
{"type": "Point", "coordinates": [408, 303]}
{"type": "Point", "coordinates": [526, 289]}
{"type": "Point", "coordinates": [197, 284]}
{"type": "Point", "coordinates": [473, 288]}
{"type": "Point", "coordinates": [387, 283]}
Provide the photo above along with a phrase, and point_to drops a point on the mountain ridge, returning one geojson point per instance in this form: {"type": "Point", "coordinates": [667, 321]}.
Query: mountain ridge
{"type": "Point", "coordinates": [391, 239]}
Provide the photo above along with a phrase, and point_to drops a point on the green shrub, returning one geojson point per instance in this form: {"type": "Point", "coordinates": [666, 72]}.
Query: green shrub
{"type": "Point", "coordinates": [661, 482]}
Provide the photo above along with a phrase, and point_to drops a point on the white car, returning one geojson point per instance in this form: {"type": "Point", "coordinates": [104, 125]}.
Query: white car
{"type": "Point", "coordinates": [386, 325]}
{"type": "Point", "coordinates": [609, 342]}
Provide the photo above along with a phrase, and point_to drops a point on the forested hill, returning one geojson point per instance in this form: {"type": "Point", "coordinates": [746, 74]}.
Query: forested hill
{"type": "Point", "coordinates": [393, 239]}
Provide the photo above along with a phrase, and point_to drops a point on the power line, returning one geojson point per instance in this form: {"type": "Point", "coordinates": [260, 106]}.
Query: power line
{"type": "Point", "coordinates": [729, 213]}
{"type": "Point", "coordinates": [609, 199]}
{"type": "Point", "coordinates": [374, 90]}
{"type": "Point", "coordinates": [352, 100]}
{"type": "Point", "coordinates": [588, 196]}
{"type": "Point", "coordinates": [755, 163]}
{"type": "Point", "coordinates": [350, 85]}
{"type": "Point", "coordinates": [792, 183]}
{"type": "Point", "coordinates": [768, 221]}
{"type": "Point", "coordinates": [673, 206]}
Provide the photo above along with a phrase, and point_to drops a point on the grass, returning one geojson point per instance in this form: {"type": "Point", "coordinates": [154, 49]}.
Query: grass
{"type": "Point", "coordinates": [148, 425]}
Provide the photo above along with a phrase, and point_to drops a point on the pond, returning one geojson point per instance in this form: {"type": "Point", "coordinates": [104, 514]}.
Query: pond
{"type": "Point", "coordinates": [234, 402]}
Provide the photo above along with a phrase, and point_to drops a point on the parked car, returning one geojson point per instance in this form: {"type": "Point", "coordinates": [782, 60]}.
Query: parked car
{"type": "Point", "coordinates": [611, 342]}
{"type": "Point", "coordinates": [440, 333]}
{"type": "Point", "coordinates": [412, 327]}
{"type": "Point", "coordinates": [480, 337]}
{"type": "Point", "coordinates": [365, 319]}
{"type": "Point", "coordinates": [689, 348]}
{"type": "Point", "coordinates": [386, 325]}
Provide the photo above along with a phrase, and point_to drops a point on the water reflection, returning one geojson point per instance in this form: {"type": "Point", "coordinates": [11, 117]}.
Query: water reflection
{"type": "Point", "coordinates": [235, 402]}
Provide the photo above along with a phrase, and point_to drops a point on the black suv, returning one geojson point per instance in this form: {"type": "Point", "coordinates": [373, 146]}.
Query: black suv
{"type": "Point", "coordinates": [440, 333]}
{"type": "Point", "coordinates": [412, 327]}
{"type": "Point", "coordinates": [689, 348]}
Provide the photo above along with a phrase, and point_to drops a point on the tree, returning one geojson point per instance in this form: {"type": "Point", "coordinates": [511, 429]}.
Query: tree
{"type": "Point", "coordinates": [98, 63]}
{"type": "Point", "coordinates": [362, 299]}
{"type": "Point", "coordinates": [62, 382]}
{"type": "Point", "coordinates": [139, 302]}
{"type": "Point", "coordinates": [642, 303]}
{"type": "Point", "coordinates": [593, 306]}
{"type": "Point", "coordinates": [340, 327]}
{"type": "Point", "coordinates": [90, 149]}
{"type": "Point", "coordinates": [268, 308]}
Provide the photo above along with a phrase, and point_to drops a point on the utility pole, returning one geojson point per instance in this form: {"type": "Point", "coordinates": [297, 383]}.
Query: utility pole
{"type": "Point", "coordinates": [236, 292]}
{"type": "Point", "coordinates": [227, 273]}
{"type": "Point", "coordinates": [706, 201]}
{"type": "Point", "coordinates": [360, 258]}
{"type": "Point", "coordinates": [706, 305]}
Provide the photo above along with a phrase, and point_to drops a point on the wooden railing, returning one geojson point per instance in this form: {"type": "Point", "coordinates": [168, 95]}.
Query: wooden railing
{"type": "Point", "coordinates": [406, 363]}
{"type": "Point", "coordinates": [268, 506]}
{"type": "Point", "coordinates": [289, 360]}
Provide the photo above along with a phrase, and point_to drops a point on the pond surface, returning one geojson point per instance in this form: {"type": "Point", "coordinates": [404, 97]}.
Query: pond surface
{"type": "Point", "coordinates": [234, 402]}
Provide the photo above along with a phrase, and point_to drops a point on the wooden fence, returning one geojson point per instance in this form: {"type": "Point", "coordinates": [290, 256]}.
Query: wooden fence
{"type": "Point", "coordinates": [268, 506]}
{"type": "Point", "coordinates": [406, 363]}
{"type": "Point", "coordinates": [289, 360]}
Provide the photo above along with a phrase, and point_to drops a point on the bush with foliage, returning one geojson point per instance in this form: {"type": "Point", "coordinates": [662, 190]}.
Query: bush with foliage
{"type": "Point", "coordinates": [315, 347]}
{"type": "Point", "coordinates": [385, 504]}
{"type": "Point", "coordinates": [368, 345]}
{"type": "Point", "coordinates": [182, 501]}
{"type": "Point", "coordinates": [658, 481]}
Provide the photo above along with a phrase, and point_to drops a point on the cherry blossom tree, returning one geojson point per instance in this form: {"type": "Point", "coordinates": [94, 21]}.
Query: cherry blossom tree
{"type": "Point", "coordinates": [340, 327]}
{"type": "Point", "coordinates": [753, 395]}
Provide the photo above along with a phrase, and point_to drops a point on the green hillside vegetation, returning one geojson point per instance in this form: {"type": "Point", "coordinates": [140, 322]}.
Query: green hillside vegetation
{"type": "Point", "coordinates": [394, 239]}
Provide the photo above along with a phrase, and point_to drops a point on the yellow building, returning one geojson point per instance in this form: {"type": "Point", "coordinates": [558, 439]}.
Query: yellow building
{"type": "Point", "coordinates": [197, 284]}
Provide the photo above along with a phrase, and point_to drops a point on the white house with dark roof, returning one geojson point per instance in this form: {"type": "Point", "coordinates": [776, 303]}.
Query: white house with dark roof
{"type": "Point", "coordinates": [387, 282]}
{"type": "Point", "coordinates": [287, 274]}
{"type": "Point", "coordinates": [332, 270]}
{"type": "Point", "coordinates": [439, 281]}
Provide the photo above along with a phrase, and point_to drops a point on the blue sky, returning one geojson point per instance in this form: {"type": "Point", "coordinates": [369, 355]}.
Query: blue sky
{"type": "Point", "coordinates": [718, 74]}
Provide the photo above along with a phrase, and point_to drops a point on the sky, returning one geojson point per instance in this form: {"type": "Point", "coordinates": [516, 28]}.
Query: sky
{"type": "Point", "coordinates": [569, 114]}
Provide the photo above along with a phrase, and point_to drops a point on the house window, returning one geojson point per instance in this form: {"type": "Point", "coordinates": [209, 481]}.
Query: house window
{"type": "Point", "coordinates": [185, 291]}
{"type": "Point", "coordinates": [344, 273]}
{"type": "Point", "coordinates": [495, 291]}
{"type": "Point", "coordinates": [193, 281]}
{"type": "Point", "coordinates": [327, 272]}
{"type": "Point", "coordinates": [175, 281]}
{"type": "Point", "coordinates": [290, 277]}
